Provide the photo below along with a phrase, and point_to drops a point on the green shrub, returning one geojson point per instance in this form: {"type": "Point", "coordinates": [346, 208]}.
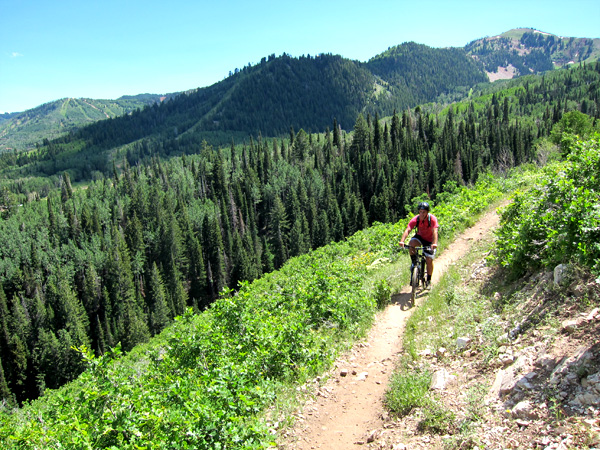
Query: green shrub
{"type": "Point", "coordinates": [407, 391]}
{"type": "Point", "coordinates": [558, 220]}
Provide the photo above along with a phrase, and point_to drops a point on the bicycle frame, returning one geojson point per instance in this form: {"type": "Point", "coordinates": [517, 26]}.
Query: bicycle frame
{"type": "Point", "coordinates": [417, 276]}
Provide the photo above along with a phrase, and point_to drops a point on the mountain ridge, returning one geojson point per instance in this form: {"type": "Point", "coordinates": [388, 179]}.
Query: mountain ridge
{"type": "Point", "coordinates": [306, 92]}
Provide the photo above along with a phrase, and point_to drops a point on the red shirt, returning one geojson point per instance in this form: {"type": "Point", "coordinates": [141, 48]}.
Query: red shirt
{"type": "Point", "coordinates": [425, 230]}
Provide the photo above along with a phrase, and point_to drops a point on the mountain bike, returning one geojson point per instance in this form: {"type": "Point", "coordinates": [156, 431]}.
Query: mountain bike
{"type": "Point", "coordinates": [417, 275]}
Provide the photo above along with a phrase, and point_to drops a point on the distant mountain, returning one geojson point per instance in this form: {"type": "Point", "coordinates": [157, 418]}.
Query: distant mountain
{"type": "Point", "coordinates": [423, 73]}
{"type": "Point", "coordinates": [523, 51]}
{"type": "Point", "coordinates": [22, 130]}
{"type": "Point", "coordinates": [309, 92]}
{"type": "Point", "coordinates": [269, 98]}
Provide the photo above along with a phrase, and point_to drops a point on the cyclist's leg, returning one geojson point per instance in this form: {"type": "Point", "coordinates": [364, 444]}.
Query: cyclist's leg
{"type": "Point", "coordinates": [414, 243]}
{"type": "Point", "coordinates": [429, 267]}
{"type": "Point", "coordinates": [429, 259]}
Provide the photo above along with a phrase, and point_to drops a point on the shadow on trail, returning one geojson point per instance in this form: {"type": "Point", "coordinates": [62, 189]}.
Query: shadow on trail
{"type": "Point", "coordinates": [403, 300]}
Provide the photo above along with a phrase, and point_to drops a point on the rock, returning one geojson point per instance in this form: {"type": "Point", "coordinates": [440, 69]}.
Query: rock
{"type": "Point", "coordinates": [504, 384]}
{"type": "Point", "coordinates": [373, 436]}
{"type": "Point", "coordinates": [362, 376]}
{"type": "Point", "coordinates": [462, 342]}
{"type": "Point", "coordinates": [523, 410]}
{"type": "Point", "coordinates": [505, 359]}
{"type": "Point", "coordinates": [522, 423]}
{"type": "Point", "coordinates": [593, 382]}
{"type": "Point", "coordinates": [440, 380]}
{"type": "Point", "coordinates": [592, 315]}
{"type": "Point", "coordinates": [569, 326]}
{"type": "Point", "coordinates": [546, 362]}
{"type": "Point", "coordinates": [344, 372]}
{"type": "Point", "coordinates": [524, 383]}
{"type": "Point", "coordinates": [441, 352]}
{"type": "Point", "coordinates": [561, 273]}
{"type": "Point", "coordinates": [587, 399]}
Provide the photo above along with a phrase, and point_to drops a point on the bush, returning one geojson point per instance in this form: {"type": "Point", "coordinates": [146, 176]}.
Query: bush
{"type": "Point", "coordinates": [407, 391]}
{"type": "Point", "coordinates": [558, 220]}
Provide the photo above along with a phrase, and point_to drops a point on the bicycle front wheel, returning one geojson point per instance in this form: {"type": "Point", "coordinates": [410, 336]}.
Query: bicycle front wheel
{"type": "Point", "coordinates": [414, 282]}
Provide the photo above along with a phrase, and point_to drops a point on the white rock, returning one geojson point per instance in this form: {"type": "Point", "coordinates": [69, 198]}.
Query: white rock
{"type": "Point", "coordinates": [570, 325]}
{"type": "Point", "coordinates": [523, 410]}
{"type": "Point", "coordinates": [440, 379]}
{"type": "Point", "coordinates": [462, 342]}
{"type": "Point", "coordinates": [560, 273]}
{"type": "Point", "coordinates": [592, 315]}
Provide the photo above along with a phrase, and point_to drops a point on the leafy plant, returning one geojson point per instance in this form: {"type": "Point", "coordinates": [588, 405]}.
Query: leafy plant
{"type": "Point", "coordinates": [558, 220]}
{"type": "Point", "coordinates": [407, 390]}
{"type": "Point", "coordinates": [437, 419]}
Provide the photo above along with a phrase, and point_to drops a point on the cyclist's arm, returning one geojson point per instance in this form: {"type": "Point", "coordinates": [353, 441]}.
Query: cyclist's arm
{"type": "Point", "coordinates": [404, 235]}
{"type": "Point", "coordinates": [435, 238]}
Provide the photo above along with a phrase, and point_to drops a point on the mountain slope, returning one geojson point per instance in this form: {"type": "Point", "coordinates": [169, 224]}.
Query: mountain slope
{"type": "Point", "coordinates": [308, 92]}
{"type": "Point", "coordinates": [523, 51]}
{"type": "Point", "coordinates": [424, 73]}
{"type": "Point", "coordinates": [268, 98]}
{"type": "Point", "coordinates": [23, 130]}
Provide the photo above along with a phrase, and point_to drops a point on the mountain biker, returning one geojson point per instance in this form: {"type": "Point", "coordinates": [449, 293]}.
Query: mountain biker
{"type": "Point", "coordinates": [427, 236]}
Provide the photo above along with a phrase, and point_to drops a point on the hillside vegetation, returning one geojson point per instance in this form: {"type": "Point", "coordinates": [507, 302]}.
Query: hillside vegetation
{"type": "Point", "coordinates": [216, 380]}
{"type": "Point", "coordinates": [211, 380]}
{"type": "Point", "coordinates": [510, 335]}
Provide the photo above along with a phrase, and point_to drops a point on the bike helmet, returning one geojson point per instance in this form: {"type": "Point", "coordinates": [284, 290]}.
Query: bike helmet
{"type": "Point", "coordinates": [423, 205]}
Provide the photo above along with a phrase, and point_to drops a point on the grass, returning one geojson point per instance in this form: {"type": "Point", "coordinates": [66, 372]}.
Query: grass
{"type": "Point", "coordinates": [407, 391]}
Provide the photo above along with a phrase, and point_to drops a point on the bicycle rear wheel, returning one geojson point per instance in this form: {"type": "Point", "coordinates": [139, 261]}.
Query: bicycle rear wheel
{"type": "Point", "coordinates": [414, 282]}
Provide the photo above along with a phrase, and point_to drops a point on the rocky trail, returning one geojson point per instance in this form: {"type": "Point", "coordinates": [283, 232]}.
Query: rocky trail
{"type": "Point", "coordinates": [541, 390]}
{"type": "Point", "coordinates": [349, 406]}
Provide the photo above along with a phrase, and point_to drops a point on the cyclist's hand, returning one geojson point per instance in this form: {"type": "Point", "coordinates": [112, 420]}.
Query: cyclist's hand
{"type": "Point", "coordinates": [402, 244]}
{"type": "Point", "coordinates": [434, 246]}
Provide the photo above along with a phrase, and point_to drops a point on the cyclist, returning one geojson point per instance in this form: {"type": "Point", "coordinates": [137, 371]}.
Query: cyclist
{"type": "Point", "coordinates": [427, 236]}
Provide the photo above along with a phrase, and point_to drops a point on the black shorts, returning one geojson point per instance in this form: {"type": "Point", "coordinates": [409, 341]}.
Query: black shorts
{"type": "Point", "coordinates": [425, 243]}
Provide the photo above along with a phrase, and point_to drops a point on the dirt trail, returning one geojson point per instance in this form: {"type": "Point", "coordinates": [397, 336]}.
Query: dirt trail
{"type": "Point", "coordinates": [349, 408]}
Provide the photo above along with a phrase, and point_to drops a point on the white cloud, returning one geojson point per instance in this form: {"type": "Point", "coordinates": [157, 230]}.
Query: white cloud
{"type": "Point", "coordinates": [15, 55]}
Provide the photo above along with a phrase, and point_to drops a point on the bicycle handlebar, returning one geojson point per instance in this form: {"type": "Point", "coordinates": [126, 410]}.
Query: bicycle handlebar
{"type": "Point", "coordinates": [406, 247]}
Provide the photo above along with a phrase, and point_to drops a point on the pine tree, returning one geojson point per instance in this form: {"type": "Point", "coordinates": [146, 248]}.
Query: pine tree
{"type": "Point", "coordinates": [278, 228]}
{"type": "Point", "coordinates": [157, 299]}
{"type": "Point", "coordinates": [6, 396]}
{"type": "Point", "coordinates": [213, 245]}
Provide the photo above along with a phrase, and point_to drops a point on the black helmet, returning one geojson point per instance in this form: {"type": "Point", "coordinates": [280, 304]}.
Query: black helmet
{"type": "Point", "coordinates": [424, 205]}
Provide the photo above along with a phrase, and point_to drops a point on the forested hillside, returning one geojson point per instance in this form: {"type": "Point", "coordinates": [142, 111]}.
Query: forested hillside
{"type": "Point", "coordinates": [301, 92]}
{"type": "Point", "coordinates": [116, 262]}
{"type": "Point", "coordinates": [37, 126]}
{"type": "Point", "coordinates": [268, 99]}
{"type": "Point", "coordinates": [422, 74]}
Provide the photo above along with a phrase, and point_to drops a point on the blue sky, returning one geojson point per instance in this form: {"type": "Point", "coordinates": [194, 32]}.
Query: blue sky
{"type": "Point", "coordinates": [109, 48]}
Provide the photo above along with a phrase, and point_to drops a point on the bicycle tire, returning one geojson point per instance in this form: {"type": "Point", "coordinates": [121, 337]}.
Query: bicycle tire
{"type": "Point", "coordinates": [414, 282]}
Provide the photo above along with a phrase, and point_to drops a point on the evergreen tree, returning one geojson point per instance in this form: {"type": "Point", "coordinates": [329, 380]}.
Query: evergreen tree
{"type": "Point", "coordinates": [157, 299]}
{"type": "Point", "coordinates": [6, 396]}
